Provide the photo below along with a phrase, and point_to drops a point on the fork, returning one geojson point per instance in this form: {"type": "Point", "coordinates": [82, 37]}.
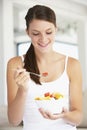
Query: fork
{"type": "Point", "coordinates": [39, 75]}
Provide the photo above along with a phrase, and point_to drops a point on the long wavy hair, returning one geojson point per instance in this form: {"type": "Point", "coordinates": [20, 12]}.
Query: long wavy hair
{"type": "Point", "coordinates": [39, 12]}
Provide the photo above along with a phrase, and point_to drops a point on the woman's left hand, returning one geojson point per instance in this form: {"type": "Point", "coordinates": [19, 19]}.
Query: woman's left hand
{"type": "Point", "coordinates": [48, 115]}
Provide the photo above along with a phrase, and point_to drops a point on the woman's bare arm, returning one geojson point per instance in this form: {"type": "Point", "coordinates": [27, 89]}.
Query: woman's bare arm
{"type": "Point", "coordinates": [17, 86]}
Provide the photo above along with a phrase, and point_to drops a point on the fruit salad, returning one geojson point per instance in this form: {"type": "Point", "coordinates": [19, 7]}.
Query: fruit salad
{"type": "Point", "coordinates": [49, 96]}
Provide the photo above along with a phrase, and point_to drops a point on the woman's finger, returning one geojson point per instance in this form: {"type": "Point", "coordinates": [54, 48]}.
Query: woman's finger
{"type": "Point", "coordinates": [18, 71]}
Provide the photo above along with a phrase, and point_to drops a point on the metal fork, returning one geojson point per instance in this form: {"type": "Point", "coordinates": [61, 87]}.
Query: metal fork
{"type": "Point", "coordinates": [39, 75]}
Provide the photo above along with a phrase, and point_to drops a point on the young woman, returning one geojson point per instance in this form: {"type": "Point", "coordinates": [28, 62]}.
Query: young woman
{"type": "Point", "coordinates": [64, 76]}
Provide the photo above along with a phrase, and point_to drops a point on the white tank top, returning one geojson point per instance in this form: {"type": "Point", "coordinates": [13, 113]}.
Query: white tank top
{"type": "Point", "coordinates": [32, 119]}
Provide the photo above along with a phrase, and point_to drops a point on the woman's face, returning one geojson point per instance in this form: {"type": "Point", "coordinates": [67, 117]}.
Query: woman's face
{"type": "Point", "coordinates": [42, 34]}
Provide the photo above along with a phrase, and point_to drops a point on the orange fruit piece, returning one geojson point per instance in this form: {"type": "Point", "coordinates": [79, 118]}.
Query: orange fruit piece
{"type": "Point", "coordinates": [44, 74]}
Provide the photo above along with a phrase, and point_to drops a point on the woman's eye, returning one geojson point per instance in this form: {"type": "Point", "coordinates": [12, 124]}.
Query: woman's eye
{"type": "Point", "coordinates": [35, 34]}
{"type": "Point", "coordinates": [49, 32]}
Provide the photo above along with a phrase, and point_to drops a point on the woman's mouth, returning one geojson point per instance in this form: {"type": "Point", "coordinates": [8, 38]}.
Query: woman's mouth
{"type": "Point", "coordinates": [43, 45]}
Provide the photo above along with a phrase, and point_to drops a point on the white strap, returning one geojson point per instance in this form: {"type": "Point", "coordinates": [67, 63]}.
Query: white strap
{"type": "Point", "coordinates": [66, 61]}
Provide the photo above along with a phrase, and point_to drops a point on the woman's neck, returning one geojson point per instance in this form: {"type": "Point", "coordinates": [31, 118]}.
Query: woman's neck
{"type": "Point", "coordinates": [45, 57]}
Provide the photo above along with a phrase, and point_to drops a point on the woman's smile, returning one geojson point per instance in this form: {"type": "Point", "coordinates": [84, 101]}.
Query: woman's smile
{"type": "Point", "coordinates": [44, 45]}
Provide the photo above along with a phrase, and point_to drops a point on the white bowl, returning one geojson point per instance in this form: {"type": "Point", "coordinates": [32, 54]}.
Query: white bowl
{"type": "Point", "coordinates": [54, 106]}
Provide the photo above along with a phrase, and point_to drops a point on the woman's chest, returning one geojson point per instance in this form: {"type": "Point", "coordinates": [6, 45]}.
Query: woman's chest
{"type": "Point", "coordinates": [54, 72]}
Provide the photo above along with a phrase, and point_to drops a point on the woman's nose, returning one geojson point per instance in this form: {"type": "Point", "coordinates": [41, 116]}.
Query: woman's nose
{"type": "Point", "coordinates": [43, 38]}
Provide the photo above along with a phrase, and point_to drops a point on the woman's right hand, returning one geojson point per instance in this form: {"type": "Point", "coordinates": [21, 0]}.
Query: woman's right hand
{"type": "Point", "coordinates": [22, 77]}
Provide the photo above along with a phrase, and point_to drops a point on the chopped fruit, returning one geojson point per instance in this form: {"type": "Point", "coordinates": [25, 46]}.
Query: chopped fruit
{"type": "Point", "coordinates": [45, 74]}
{"type": "Point", "coordinates": [60, 97]}
{"type": "Point", "coordinates": [57, 95]}
{"type": "Point", "coordinates": [49, 96]}
{"type": "Point", "coordinates": [37, 98]}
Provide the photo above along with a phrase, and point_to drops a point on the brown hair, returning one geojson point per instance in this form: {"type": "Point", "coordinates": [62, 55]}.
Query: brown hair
{"type": "Point", "coordinates": [42, 13]}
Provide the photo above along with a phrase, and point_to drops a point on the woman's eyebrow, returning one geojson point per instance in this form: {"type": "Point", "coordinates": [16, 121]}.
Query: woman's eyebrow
{"type": "Point", "coordinates": [35, 30]}
{"type": "Point", "coordinates": [49, 29]}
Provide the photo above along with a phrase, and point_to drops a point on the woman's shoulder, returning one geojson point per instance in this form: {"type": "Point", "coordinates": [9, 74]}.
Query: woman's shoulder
{"type": "Point", "coordinates": [15, 59]}
{"type": "Point", "coordinates": [73, 66]}
{"type": "Point", "coordinates": [15, 62]}
{"type": "Point", "coordinates": [73, 61]}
